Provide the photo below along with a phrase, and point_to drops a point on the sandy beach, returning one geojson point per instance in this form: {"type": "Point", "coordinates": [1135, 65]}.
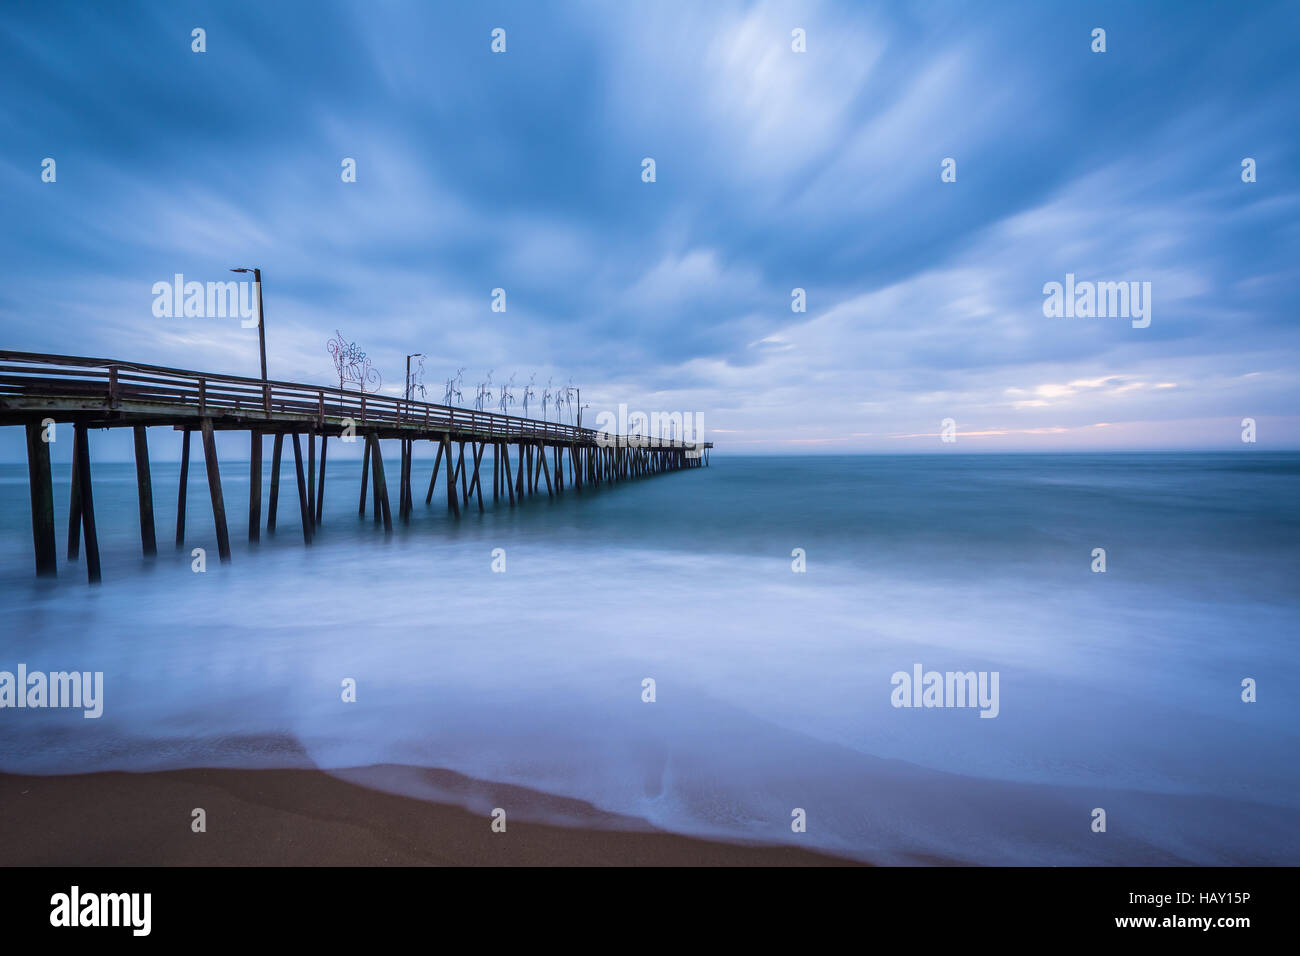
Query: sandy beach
{"type": "Point", "coordinates": [310, 818]}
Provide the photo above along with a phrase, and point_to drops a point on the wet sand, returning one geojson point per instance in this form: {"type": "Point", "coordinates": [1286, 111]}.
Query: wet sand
{"type": "Point", "coordinates": [310, 818]}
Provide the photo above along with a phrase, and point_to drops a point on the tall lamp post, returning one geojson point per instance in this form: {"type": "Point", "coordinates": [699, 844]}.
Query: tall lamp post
{"type": "Point", "coordinates": [255, 450]}
{"type": "Point", "coordinates": [261, 325]}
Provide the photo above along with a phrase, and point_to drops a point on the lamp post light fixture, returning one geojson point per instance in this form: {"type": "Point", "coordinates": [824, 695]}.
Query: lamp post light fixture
{"type": "Point", "coordinates": [261, 325]}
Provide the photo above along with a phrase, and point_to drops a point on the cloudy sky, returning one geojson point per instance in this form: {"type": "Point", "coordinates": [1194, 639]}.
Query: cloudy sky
{"type": "Point", "coordinates": [775, 170]}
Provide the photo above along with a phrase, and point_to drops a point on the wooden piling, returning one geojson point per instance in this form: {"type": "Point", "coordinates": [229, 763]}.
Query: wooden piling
{"type": "Point", "coordinates": [478, 448]}
{"type": "Point", "coordinates": [452, 504]}
{"type": "Point", "coordinates": [381, 485]}
{"type": "Point", "coordinates": [410, 474]}
{"type": "Point", "coordinates": [182, 492]}
{"type": "Point", "coordinates": [433, 478]}
{"type": "Point", "coordinates": [320, 488]}
{"type": "Point", "coordinates": [505, 472]}
{"type": "Point", "coordinates": [214, 491]}
{"type": "Point", "coordinates": [311, 478]}
{"type": "Point", "coordinates": [541, 460]}
{"type": "Point", "coordinates": [304, 496]}
{"type": "Point", "coordinates": [404, 489]}
{"type": "Point", "coordinates": [277, 448]}
{"type": "Point", "coordinates": [365, 473]}
{"type": "Point", "coordinates": [375, 509]}
{"type": "Point", "coordinates": [41, 486]}
{"type": "Point", "coordinates": [144, 492]}
{"type": "Point", "coordinates": [254, 485]}
{"type": "Point", "coordinates": [460, 468]}
{"type": "Point", "coordinates": [87, 507]}
{"type": "Point", "coordinates": [74, 506]}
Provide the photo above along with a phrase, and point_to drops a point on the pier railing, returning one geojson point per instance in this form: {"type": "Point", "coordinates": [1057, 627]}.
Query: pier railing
{"type": "Point", "coordinates": [77, 384]}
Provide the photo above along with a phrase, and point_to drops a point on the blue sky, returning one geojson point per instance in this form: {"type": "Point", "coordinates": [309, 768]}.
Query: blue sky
{"type": "Point", "coordinates": [775, 170]}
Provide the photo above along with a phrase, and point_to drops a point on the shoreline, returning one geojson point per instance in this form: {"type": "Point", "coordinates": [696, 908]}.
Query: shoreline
{"type": "Point", "coordinates": [308, 817]}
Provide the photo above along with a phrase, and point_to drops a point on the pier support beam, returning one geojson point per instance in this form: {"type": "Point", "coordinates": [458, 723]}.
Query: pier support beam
{"type": "Point", "coordinates": [87, 504]}
{"type": "Point", "coordinates": [452, 504]}
{"type": "Point", "coordinates": [505, 472]}
{"type": "Point", "coordinates": [475, 487]}
{"type": "Point", "coordinates": [381, 485]}
{"type": "Point", "coordinates": [433, 478]}
{"type": "Point", "coordinates": [74, 506]}
{"type": "Point", "coordinates": [277, 448]}
{"type": "Point", "coordinates": [546, 469]}
{"type": "Point", "coordinates": [42, 495]}
{"type": "Point", "coordinates": [214, 490]}
{"type": "Point", "coordinates": [320, 487]}
{"type": "Point", "coordinates": [460, 469]}
{"type": "Point", "coordinates": [410, 471]}
{"type": "Point", "coordinates": [365, 475]}
{"type": "Point", "coordinates": [311, 479]}
{"type": "Point", "coordinates": [144, 492]}
{"type": "Point", "coordinates": [304, 497]}
{"type": "Point", "coordinates": [255, 485]}
{"type": "Point", "coordinates": [183, 489]}
{"type": "Point", "coordinates": [404, 482]}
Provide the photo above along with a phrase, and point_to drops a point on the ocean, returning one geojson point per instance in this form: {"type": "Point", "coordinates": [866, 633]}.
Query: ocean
{"type": "Point", "coordinates": [773, 688]}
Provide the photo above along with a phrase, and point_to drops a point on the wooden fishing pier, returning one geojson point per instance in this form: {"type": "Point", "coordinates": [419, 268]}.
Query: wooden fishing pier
{"type": "Point", "coordinates": [38, 391]}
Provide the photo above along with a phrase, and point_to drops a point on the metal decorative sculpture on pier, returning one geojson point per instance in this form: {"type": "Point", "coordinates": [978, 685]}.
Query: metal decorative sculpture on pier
{"type": "Point", "coordinates": [529, 393]}
{"type": "Point", "coordinates": [546, 398]}
{"type": "Point", "coordinates": [352, 365]}
{"type": "Point", "coordinates": [452, 394]}
{"type": "Point", "coordinates": [507, 397]}
{"type": "Point", "coordinates": [569, 393]}
{"type": "Point", "coordinates": [484, 392]}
